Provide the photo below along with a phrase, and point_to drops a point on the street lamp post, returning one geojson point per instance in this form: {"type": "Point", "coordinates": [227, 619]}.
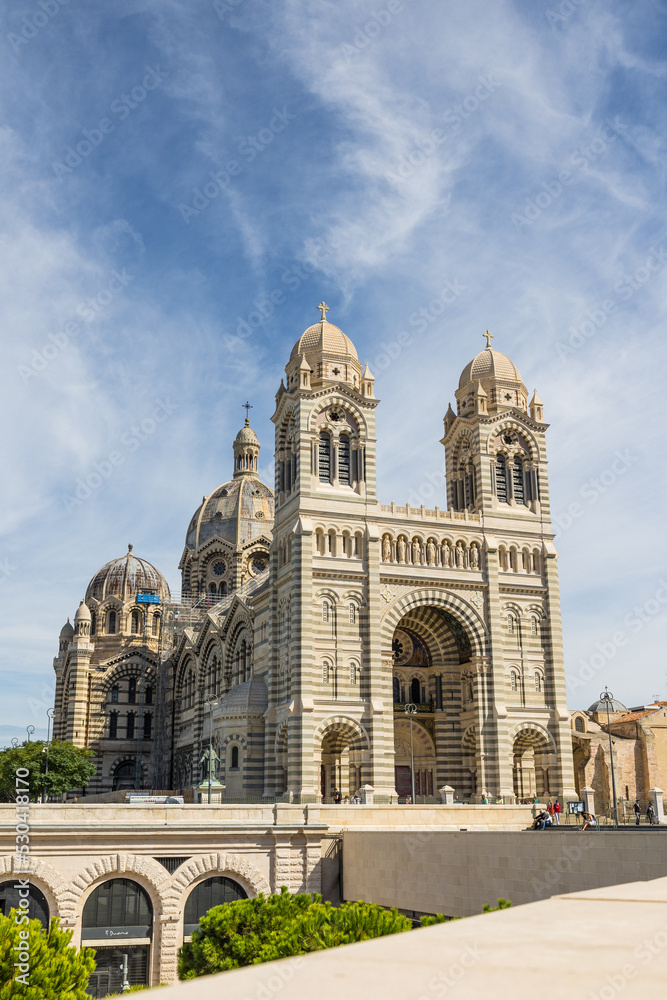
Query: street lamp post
{"type": "Point", "coordinates": [29, 730]}
{"type": "Point", "coordinates": [607, 697]}
{"type": "Point", "coordinates": [50, 713]}
{"type": "Point", "coordinates": [211, 702]}
{"type": "Point", "coordinates": [410, 710]}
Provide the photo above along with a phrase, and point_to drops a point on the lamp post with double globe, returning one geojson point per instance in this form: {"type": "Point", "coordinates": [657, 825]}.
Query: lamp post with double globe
{"type": "Point", "coordinates": [410, 710]}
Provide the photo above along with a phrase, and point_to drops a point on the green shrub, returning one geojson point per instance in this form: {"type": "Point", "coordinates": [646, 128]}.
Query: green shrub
{"type": "Point", "coordinates": [250, 931]}
{"type": "Point", "coordinates": [58, 971]}
{"type": "Point", "coordinates": [503, 904]}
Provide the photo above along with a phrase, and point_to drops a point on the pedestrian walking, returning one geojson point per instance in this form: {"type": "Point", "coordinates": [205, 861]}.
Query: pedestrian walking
{"type": "Point", "coordinates": [638, 812]}
{"type": "Point", "coordinates": [550, 809]}
{"type": "Point", "coordinates": [557, 812]}
{"type": "Point", "coordinates": [649, 814]}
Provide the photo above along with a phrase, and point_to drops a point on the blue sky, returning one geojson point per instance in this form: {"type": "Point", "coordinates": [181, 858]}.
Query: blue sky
{"type": "Point", "coordinates": [184, 181]}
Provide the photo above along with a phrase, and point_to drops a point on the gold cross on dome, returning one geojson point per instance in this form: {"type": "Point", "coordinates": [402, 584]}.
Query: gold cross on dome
{"type": "Point", "coordinates": [324, 309]}
{"type": "Point", "coordinates": [489, 338]}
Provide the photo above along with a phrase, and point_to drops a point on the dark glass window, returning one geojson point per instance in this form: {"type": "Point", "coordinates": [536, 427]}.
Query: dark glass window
{"type": "Point", "coordinates": [325, 457]}
{"type": "Point", "coordinates": [148, 722]}
{"type": "Point", "coordinates": [156, 624]}
{"type": "Point", "coordinates": [212, 892]}
{"type": "Point", "coordinates": [130, 725]}
{"type": "Point", "coordinates": [135, 622]}
{"type": "Point", "coordinates": [112, 623]}
{"type": "Point", "coordinates": [119, 902]}
{"type": "Point", "coordinates": [93, 623]}
{"type": "Point", "coordinates": [415, 691]}
{"type": "Point", "coordinates": [38, 908]}
{"type": "Point", "coordinates": [344, 459]}
{"type": "Point", "coordinates": [114, 693]}
{"type": "Point", "coordinates": [113, 726]}
{"type": "Point", "coordinates": [149, 695]}
{"type": "Point", "coordinates": [132, 690]}
{"type": "Point", "coordinates": [235, 757]}
{"type": "Point", "coordinates": [397, 689]}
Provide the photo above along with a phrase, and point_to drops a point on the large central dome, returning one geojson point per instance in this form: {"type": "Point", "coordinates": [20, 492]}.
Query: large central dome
{"type": "Point", "coordinates": [239, 511]}
{"type": "Point", "coordinates": [489, 364]}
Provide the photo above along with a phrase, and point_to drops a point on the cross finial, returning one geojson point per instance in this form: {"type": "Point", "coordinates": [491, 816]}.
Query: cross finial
{"type": "Point", "coordinates": [324, 309]}
{"type": "Point", "coordinates": [247, 407]}
{"type": "Point", "coordinates": [489, 338]}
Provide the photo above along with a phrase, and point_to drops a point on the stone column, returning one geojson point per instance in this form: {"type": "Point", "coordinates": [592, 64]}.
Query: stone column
{"type": "Point", "coordinates": [447, 795]}
{"type": "Point", "coordinates": [502, 781]}
{"type": "Point", "coordinates": [656, 798]}
{"type": "Point", "coordinates": [588, 795]}
{"type": "Point", "coordinates": [555, 678]}
{"type": "Point", "coordinates": [379, 670]}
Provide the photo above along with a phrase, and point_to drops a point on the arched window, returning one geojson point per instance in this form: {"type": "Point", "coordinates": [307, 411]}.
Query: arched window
{"type": "Point", "coordinates": [111, 623]}
{"type": "Point", "coordinates": [38, 908]}
{"type": "Point", "coordinates": [114, 693]}
{"type": "Point", "coordinates": [155, 628]}
{"type": "Point", "coordinates": [579, 725]}
{"type": "Point", "coordinates": [149, 695]}
{"type": "Point", "coordinates": [213, 589]}
{"type": "Point", "coordinates": [148, 725]}
{"type": "Point", "coordinates": [415, 691]}
{"type": "Point", "coordinates": [235, 757]}
{"type": "Point", "coordinates": [113, 725]}
{"type": "Point", "coordinates": [132, 690]}
{"type": "Point", "coordinates": [325, 457]}
{"type": "Point", "coordinates": [114, 905]}
{"type": "Point", "coordinates": [538, 681]}
{"type": "Point", "coordinates": [501, 478]}
{"type": "Point", "coordinates": [135, 622]}
{"type": "Point", "coordinates": [222, 589]}
{"type": "Point", "coordinates": [130, 726]}
{"type": "Point", "coordinates": [344, 459]}
{"type": "Point", "coordinates": [397, 689]}
{"type": "Point", "coordinates": [213, 892]}
{"type": "Point", "coordinates": [93, 623]}
{"type": "Point", "coordinates": [517, 481]}
{"type": "Point", "coordinates": [125, 775]}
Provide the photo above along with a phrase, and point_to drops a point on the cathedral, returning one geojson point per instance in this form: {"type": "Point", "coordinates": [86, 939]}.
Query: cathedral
{"type": "Point", "coordinates": [325, 642]}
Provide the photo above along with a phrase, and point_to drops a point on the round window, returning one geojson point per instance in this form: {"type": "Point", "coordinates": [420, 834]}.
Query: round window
{"type": "Point", "coordinates": [219, 568]}
{"type": "Point", "coordinates": [259, 565]}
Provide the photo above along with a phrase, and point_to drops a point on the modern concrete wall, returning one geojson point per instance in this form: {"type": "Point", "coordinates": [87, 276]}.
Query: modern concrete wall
{"type": "Point", "coordinates": [456, 873]}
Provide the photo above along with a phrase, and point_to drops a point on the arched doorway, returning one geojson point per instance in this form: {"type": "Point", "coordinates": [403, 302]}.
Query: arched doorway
{"type": "Point", "coordinates": [343, 753]}
{"type": "Point", "coordinates": [531, 758]}
{"type": "Point", "coordinates": [38, 908]}
{"type": "Point", "coordinates": [212, 892]}
{"type": "Point", "coordinates": [118, 910]}
{"type": "Point", "coordinates": [430, 649]}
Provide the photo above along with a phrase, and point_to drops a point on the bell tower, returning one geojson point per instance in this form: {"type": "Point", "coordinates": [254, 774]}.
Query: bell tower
{"type": "Point", "coordinates": [325, 553]}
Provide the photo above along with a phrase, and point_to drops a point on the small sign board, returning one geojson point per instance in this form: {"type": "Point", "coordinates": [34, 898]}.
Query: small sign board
{"type": "Point", "coordinates": [129, 933]}
{"type": "Point", "coordinates": [148, 598]}
{"type": "Point", "coordinates": [575, 807]}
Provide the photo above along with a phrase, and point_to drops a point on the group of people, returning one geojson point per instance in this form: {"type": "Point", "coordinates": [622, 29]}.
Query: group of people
{"type": "Point", "coordinates": [338, 799]}
{"type": "Point", "coordinates": [549, 816]}
{"type": "Point", "coordinates": [650, 813]}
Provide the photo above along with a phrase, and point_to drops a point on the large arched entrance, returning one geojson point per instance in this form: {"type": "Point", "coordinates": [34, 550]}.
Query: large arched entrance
{"type": "Point", "coordinates": [531, 761]}
{"type": "Point", "coordinates": [12, 895]}
{"type": "Point", "coordinates": [343, 755]}
{"type": "Point", "coordinates": [431, 652]}
{"type": "Point", "coordinates": [207, 894]}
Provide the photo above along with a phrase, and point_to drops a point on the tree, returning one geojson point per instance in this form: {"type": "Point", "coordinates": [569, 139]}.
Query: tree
{"type": "Point", "coordinates": [54, 970]}
{"type": "Point", "coordinates": [69, 767]}
{"type": "Point", "coordinates": [250, 931]}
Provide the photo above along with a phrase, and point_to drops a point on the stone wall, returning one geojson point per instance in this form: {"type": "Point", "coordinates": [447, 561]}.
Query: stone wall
{"type": "Point", "coordinates": [456, 873]}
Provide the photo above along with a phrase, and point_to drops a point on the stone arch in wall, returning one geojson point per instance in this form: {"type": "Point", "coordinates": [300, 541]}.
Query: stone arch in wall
{"type": "Point", "coordinates": [342, 751]}
{"type": "Point", "coordinates": [43, 876]}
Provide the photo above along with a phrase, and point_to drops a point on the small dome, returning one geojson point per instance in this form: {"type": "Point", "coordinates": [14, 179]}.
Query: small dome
{"type": "Point", "coordinates": [239, 511]}
{"type": "Point", "coordinates": [82, 613]}
{"type": "Point", "coordinates": [67, 631]}
{"type": "Point", "coordinates": [246, 435]}
{"type": "Point", "coordinates": [324, 338]}
{"type": "Point", "coordinates": [601, 706]}
{"type": "Point", "coordinates": [249, 698]}
{"type": "Point", "coordinates": [489, 364]}
{"type": "Point", "coordinates": [125, 577]}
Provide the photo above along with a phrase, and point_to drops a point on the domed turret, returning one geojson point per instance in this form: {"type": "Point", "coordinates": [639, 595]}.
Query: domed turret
{"type": "Point", "coordinates": [328, 352]}
{"type": "Point", "coordinates": [497, 376]}
{"type": "Point", "coordinates": [125, 577]}
{"type": "Point", "coordinates": [82, 620]}
{"type": "Point", "coordinates": [67, 631]}
{"type": "Point", "coordinates": [246, 451]}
